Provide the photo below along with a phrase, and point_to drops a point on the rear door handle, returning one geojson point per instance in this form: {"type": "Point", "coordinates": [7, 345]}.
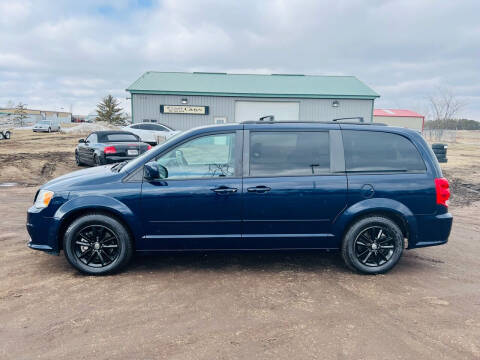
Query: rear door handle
{"type": "Point", "coordinates": [224, 190]}
{"type": "Point", "coordinates": [259, 189]}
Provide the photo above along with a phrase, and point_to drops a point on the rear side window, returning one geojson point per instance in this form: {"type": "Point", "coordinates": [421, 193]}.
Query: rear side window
{"type": "Point", "coordinates": [380, 151]}
{"type": "Point", "coordinates": [119, 137]}
{"type": "Point", "coordinates": [285, 153]}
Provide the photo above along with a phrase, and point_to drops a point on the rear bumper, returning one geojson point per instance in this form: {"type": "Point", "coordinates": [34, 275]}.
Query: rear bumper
{"type": "Point", "coordinates": [433, 230]}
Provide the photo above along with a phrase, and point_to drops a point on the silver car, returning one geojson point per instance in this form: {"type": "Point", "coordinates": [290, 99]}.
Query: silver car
{"type": "Point", "coordinates": [46, 126]}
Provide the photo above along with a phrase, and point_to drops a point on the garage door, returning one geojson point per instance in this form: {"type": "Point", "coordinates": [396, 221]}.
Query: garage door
{"type": "Point", "coordinates": [253, 110]}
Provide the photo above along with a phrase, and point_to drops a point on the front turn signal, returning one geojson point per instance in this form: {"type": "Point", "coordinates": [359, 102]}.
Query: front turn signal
{"type": "Point", "coordinates": [43, 198]}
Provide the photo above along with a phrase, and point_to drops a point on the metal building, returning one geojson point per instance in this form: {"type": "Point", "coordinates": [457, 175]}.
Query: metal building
{"type": "Point", "coordinates": [402, 118]}
{"type": "Point", "coordinates": [34, 116]}
{"type": "Point", "coordinates": [186, 100]}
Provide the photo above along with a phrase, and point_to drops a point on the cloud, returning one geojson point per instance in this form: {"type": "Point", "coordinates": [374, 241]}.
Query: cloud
{"type": "Point", "coordinates": [57, 53]}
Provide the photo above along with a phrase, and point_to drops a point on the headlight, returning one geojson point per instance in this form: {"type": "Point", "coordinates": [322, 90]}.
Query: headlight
{"type": "Point", "coordinates": [43, 199]}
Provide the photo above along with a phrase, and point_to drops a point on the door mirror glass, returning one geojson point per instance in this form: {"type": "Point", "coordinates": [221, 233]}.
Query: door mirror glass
{"type": "Point", "coordinates": [81, 141]}
{"type": "Point", "coordinates": [154, 171]}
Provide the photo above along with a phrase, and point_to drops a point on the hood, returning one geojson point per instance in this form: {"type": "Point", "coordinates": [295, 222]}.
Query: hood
{"type": "Point", "coordinates": [83, 178]}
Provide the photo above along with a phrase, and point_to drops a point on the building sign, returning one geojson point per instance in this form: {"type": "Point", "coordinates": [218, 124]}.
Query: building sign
{"type": "Point", "coordinates": [184, 109]}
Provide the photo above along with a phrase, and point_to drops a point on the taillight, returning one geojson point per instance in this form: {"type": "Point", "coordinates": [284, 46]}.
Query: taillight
{"type": "Point", "coordinates": [443, 191]}
{"type": "Point", "coordinates": [109, 150]}
{"type": "Point", "coordinates": [149, 147]}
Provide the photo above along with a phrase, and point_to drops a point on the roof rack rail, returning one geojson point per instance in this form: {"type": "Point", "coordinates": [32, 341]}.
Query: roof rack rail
{"type": "Point", "coordinates": [312, 122]}
{"type": "Point", "coordinates": [269, 118]}
{"type": "Point", "coordinates": [359, 118]}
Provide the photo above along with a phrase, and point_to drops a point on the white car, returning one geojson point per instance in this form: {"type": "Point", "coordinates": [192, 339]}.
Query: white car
{"type": "Point", "coordinates": [151, 132]}
{"type": "Point", "coordinates": [46, 126]}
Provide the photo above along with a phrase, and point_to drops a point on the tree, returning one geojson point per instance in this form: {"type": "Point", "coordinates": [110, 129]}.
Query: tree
{"type": "Point", "coordinates": [445, 105]}
{"type": "Point", "coordinates": [20, 114]}
{"type": "Point", "coordinates": [109, 110]}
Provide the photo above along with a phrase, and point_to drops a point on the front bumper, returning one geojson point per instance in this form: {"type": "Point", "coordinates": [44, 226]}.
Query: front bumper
{"type": "Point", "coordinates": [42, 231]}
{"type": "Point", "coordinates": [433, 230]}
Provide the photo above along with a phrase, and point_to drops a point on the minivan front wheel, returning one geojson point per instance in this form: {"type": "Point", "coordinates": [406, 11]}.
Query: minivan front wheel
{"type": "Point", "coordinates": [373, 245]}
{"type": "Point", "coordinates": [97, 244]}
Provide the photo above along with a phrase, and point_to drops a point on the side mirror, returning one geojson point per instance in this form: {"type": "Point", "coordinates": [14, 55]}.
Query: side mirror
{"type": "Point", "coordinates": [81, 141]}
{"type": "Point", "coordinates": [154, 171]}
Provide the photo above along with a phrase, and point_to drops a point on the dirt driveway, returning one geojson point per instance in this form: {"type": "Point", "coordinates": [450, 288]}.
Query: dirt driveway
{"type": "Point", "coordinates": [239, 306]}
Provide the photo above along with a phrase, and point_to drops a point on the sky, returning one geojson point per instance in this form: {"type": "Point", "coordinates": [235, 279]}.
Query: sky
{"type": "Point", "coordinates": [69, 54]}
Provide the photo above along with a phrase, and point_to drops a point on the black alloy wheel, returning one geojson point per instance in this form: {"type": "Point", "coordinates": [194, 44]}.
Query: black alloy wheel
{"type": "Point", "coordinates": [96, 246]}
{"type": "Point", "coordinates": [374, 246]}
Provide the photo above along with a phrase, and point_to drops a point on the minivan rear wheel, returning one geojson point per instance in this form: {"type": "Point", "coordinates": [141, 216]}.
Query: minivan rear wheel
{"type": "Point", "coordinates": [373, 245]}
{"type": "Point", "coordinates": [97, 244]}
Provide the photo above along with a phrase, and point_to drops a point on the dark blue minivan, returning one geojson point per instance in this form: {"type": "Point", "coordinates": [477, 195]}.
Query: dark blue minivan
{"type": "Point", "coordinates": [367, 190]}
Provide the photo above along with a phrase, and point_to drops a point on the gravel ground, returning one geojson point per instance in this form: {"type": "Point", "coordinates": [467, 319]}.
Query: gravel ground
{"type": "Point", "coordinates": [239, 306]}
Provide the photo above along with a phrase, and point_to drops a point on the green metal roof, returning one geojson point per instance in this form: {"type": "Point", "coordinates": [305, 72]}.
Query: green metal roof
{"type": "Point", "coordinates": [275, 85]}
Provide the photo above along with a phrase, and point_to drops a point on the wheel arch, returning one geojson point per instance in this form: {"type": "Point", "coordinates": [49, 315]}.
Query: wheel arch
{"type": "Point", "coordinates": [75, 214]}
{"type": "Point", "coordinates": [391, 209]}
{"type": "Point", "coordinates": [95, 205]}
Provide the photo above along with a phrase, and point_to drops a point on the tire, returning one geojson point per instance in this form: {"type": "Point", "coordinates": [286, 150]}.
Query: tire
{"type": "Point", "coordinates": [1, 135]}
{"type": "Point", "coordinates": [369, 258]}
{"type": "Point", "coordinates": [77, 160]}
{"type": "Point", "coordinates": [438, 146]}
{"type": "Point", "coordinates": [439, 151]}
{"type": "Point", "coordinates": [96, 160]}
{"type": "Point", "coordinates": [108, 247]}
{"type": "Point", "coordinates": [442, 160]}
{"type": "Point", "coordinates": [7, 135]}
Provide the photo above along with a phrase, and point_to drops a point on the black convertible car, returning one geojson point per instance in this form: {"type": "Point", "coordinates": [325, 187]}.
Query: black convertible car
{"type": "Point", "coordinates": [105, 147]}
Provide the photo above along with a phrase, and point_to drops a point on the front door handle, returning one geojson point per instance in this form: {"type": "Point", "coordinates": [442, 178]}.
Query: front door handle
{"type": "Point", "coordinates": [224, 190]}
{"type": "Point", "coordinates": [259, 189]}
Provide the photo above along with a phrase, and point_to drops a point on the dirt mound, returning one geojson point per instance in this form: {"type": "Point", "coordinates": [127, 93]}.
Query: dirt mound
{"type": "Point", "coordinates": [35, 169]}
{"type": "Point", "coordinates": [462, 192]}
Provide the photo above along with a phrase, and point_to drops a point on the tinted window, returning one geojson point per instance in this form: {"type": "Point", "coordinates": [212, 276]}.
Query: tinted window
{"type": "Point", "coordinates": [158, 127]}
{"type": "Point", "coordinates": [119, 137]}
{"type": "Point", "coordinates": [289, 153]}
{"type": "Point", "coordinates": [203, 157]}
{"type": "Point", "coordinates": [380, 151]}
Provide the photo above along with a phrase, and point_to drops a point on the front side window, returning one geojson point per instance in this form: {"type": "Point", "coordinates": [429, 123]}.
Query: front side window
{"type": "Point", "coordinates": [285, 153]}
{"type": "Point", "coordinates": [92, 138]}
{"type": "Point", "coordinates": [204, 157]}
{"type": "Point", "coordinates": [380, 151]}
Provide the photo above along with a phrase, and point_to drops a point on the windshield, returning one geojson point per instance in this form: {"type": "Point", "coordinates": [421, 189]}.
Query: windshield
{"type": "Point", "coordinates": [142, 158]}
{"type": "Point", "coordinates": [44, 122]}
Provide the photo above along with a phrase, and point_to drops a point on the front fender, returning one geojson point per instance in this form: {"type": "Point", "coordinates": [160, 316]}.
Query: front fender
{"type": "Point", "coordinates": [380, 205]}
{"type": "Point", "coordinates": [99, 203]}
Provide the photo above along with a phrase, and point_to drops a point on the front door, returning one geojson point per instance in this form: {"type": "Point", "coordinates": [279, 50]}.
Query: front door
{"type": "Point", "coordinates": [292, 189]}
{"type": "Point", "coordinates": [198, 206]}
